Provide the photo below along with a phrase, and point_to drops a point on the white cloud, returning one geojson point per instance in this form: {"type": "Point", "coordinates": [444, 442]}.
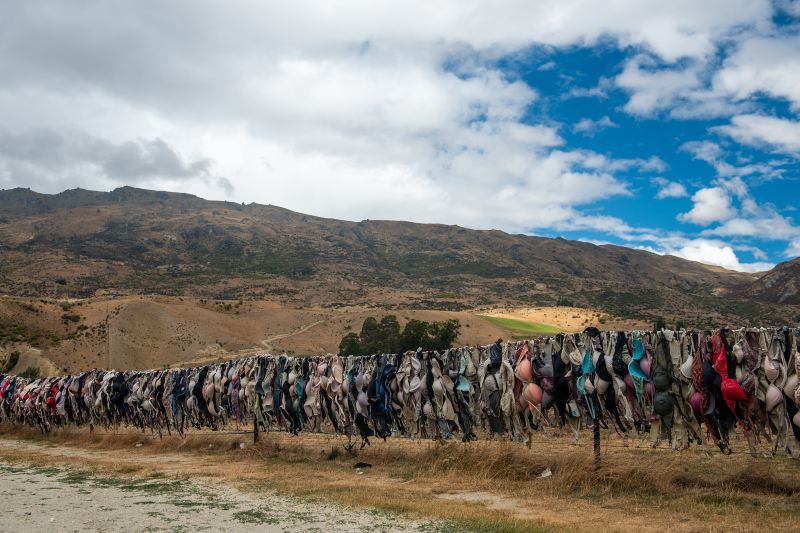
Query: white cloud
{"type": "Point", "coordinates": [751, 220]}
{"type": "Point", "coordinates": [669, 189]}
{"type": "Point", "coordinates": [715, 252]}
{"type": "Point", "coordinates": [590, 127]}
{"type": "Point", "coordinates": [679, 90]}
{"type": "Point", "coordinates": [760, 130]}
{"type": "Point", "coordinates": [380, 110]}
{"type": "Point", "coordinates": [362, 110]}
{"type": "Point", "coordinates": [793, 250]}
{"type": "Point", "coordinates": [757, 252]}
{"type": "Point", "coordinates": [550, 65]}
{"type": "Point", "coordinates": [406, 139]}
{"type": "Point", "coordinates": [712, 154]}
{"type": "Point", "coordinates": [711, 204]}
{"type": "Point", "coordinates": [790, 7]}
{"type": "Point", "coordinates": [699, 88]}
{"type": "Point", "coordinates": [762, 65]}
{"type": "Point", "coordinates": [763, 222]}
{"type": "Point", "coordinates": [707, 151]}
{"type": "Point", "coordinates": [761, 62]}
{"type": "Point", "coordinates": [703, 250]}
{"type": "Point", "coordinates": [43, 157]}
{"type": "Point", "coordinates": [654, 89]}
{"type": "Point", "coordinates": [601, 90]}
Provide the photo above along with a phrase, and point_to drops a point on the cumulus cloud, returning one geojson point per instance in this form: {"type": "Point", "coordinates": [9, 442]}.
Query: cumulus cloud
{"type": "Point", "coordinates": [793, 250]}
{"type": "Point", "coordinates": [669, 189]}
{"type": "Point", "coordinates": [707, 151]}
{"type": "Point", "coordinates": [758, 65]}
{"type": "Point", "coordinates": [714, 252]}
{"type": "Point", "coordinates": [709, 251]}
{"type": "Point", "coordinates": [771, 226]}
{"type": "Point", "coordinates": [790, 7]}
{"type": "Point", "coordinates": [781, 134]}
{"type": "Point", "coordinates": [710, 204]}
{"type": "Point", "coordinates": [748, 219]}
{"type": "Point", "coordinates": [714, 155]}
{"type": "Point", "coordinates": [43, 157]}
{"type": "Point", "coordinates": [763, 65]}
{"type": "Point", "coordinates": [762, 222]}
{"type": "Point", "coordinates": [601, 90]}
{"type": "Point", "coordinates": [369, 110]}
{"type": "Point", "coordinates": [654, 88]}
{"type": "Point", "coordinates": [678, 90]}
{"type": "Point", "coordinates": [402, 104]}
{"type": "Point", "coordinates": [590, 127]}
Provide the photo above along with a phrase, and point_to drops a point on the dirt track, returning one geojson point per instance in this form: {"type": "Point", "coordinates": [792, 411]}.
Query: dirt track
{"type": "Point", "coordinates": [69, 499]}
{"type": "Point", "coordinates": [484, 486]}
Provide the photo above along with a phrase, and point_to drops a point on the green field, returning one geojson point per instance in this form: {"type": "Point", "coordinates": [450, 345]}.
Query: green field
{"type": "Point", "coordinates": [521, 328]}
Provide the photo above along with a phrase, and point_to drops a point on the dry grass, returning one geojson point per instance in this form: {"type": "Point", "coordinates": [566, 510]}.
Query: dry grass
{"type": "Point", "coordinates": [480, 486]}
{"type": "Point", "coordinates": [153, 331]}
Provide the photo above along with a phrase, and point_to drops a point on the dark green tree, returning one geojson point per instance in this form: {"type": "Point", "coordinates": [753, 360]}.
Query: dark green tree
{"type": "Point", "coordinates": [350, 345]}
{"type": "Point", "coordinates": [390, 334]}
{"type": "Point", "coordinates": [415, 335]}
{"type": "Point", "coordinates": [660, 324]}
{"type": "Point", "coordinates": [443, 334]}
{"type": "Point", "coordinates": [370, 335]}
{"type": "Point", "coordinates": [386, 336]}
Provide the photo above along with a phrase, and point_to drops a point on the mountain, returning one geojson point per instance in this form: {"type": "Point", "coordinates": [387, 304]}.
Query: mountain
{"type": "Point", "coordinates": [781, 284]}
{"type": "Point", "coordinates": [132, 241]}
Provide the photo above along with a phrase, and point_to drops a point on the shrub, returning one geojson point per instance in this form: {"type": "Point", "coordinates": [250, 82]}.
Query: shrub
{"type": "Point", "coordinates": [11, 362]}
{"type": "Point", "coordinates": [31, 372]}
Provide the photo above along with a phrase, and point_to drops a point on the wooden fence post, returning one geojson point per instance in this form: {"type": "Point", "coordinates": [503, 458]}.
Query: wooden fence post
{"type": "Point", "coordinates": [596, 444]}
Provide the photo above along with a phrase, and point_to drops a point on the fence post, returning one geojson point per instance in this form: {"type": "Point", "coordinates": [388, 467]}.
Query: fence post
{"type": "Point", "coordinates": [596, 444]}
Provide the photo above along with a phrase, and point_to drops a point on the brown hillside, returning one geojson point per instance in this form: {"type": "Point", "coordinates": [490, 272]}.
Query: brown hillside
{"type": "Point", "coordinates": [780, 285]}
{"type": "Point", "coordinates": [131, 241]}
{"type": "Point", "coordinates": [138, 332]}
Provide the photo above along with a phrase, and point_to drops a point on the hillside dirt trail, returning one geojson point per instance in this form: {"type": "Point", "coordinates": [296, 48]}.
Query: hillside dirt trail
{"type": "Point", "coordinates": [302, 329]}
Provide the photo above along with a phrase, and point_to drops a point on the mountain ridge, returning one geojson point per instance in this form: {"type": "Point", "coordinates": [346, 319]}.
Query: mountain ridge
{"type": "Point", "coordinates": [135, 240]}
{"type": "Point", "coordinates": [780, 285]}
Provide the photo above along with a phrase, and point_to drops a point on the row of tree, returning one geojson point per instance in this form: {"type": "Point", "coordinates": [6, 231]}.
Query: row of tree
{"type": "Point", "coordinates": [386, 336]}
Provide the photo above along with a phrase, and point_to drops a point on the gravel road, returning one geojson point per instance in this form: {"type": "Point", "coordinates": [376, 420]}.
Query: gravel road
{"type": "Point", "coordinates": [37, 498]}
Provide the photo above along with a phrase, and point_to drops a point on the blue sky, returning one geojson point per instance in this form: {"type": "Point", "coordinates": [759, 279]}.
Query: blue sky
{"type": "Point", "coordinates": [671, 127]}
{"type": "Point", "coordinates": [601, 123]}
